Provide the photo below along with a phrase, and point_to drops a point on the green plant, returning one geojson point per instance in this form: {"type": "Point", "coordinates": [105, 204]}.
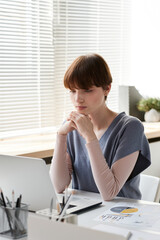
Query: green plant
{"type": "Point", "coordinates": [145, 104]}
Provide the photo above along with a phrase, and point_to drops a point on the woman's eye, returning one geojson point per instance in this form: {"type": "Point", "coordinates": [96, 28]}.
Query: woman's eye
{"type": "Point", "coordinates": [72, 91]}
{"type": "Point", "coordinates": [88, 90]}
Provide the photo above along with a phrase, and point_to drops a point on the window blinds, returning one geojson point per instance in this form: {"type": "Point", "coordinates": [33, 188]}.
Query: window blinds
{"type": "Point", "coordinates": [39, 39]}
{"type": "Point", "coordinates": [26, 66]}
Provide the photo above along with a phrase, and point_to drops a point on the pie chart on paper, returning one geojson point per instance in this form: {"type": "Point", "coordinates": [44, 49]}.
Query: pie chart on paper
{"type": "Point", "coordinates": [123, 209]}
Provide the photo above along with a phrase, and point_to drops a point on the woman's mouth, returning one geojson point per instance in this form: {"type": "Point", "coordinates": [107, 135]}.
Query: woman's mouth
{"type": "Point", "coordinates": [80, 108]}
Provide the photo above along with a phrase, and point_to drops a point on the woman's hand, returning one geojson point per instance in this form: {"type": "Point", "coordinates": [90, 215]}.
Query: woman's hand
{"type": "Point", "coordinates": [83, 125]}
{"type": "Point", "coordinates": [67, 127]}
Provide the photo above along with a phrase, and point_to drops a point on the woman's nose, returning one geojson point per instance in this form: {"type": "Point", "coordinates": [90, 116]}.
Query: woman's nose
{"type": "Point", "coordinates": [79, 97]}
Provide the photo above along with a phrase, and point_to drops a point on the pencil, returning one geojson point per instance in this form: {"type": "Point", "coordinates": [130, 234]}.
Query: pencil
{"type": "Point", "coordinates": [58, 207]}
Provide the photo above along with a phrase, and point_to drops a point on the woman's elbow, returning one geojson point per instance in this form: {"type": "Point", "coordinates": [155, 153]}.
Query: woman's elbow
{"type": "Point", "coordinates": [109, 195]}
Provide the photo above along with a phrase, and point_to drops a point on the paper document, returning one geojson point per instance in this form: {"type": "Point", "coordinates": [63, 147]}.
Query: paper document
{"type": "Point", "coordinates": [132, 215]}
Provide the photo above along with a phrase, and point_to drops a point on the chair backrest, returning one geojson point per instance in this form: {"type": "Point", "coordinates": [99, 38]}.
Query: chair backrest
{"type": "Point", "coordinates": [150, 188]}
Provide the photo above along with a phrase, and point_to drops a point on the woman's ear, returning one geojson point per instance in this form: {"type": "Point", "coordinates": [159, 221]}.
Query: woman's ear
{"type": "Point", "coordinates": [107, 90]}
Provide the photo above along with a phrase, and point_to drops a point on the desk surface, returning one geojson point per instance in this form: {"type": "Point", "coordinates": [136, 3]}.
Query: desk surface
{"type": "Point", "coordinates": [87, 219]}
{"type": "Point", "coordinates": [152, 130]}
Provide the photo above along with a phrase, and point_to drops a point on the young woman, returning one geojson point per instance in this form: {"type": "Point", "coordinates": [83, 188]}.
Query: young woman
{"type": "Point", "coordinates": [99, 149]}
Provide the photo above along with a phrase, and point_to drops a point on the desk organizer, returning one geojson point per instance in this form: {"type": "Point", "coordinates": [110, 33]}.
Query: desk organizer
{"type": "Point", "coordinates": [13, 221]}
{"type": "Point", "coordinates": [68, 218]}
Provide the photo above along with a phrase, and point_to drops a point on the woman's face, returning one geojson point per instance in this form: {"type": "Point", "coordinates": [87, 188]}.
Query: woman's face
{"type": "Point", "coordinates": [88, 101]}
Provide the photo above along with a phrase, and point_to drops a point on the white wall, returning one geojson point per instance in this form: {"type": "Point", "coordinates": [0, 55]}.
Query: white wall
{"type": "Point", "coordinates": [145, 47]}
{"type": "Point", "coordinates": [124, 99]}
{"type": "Point", "coordinates": [154, 169]}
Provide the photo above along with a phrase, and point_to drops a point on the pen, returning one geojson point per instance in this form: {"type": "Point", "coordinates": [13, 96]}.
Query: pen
{"type": "Point", "coordinates": [6, 210]}
{"type": "Point", "coordinates": [4, 203]}
{"type": "Point", "coordinates": [17, 213]}
{"type": "Point", "coordinates": [18, 206]}
{"type": "Point", "coordinates": [20, 199]}
{"type": "Point", "coordinates": [65, 207]}
{"type": "Point", "coordinates": [8, 202]}
{"type": "Point", "coordinates": [18, 202]}
{"type": "Point", "coordinates": [51, 208]}
{"type": "Point", "coordinates": [63, 202]}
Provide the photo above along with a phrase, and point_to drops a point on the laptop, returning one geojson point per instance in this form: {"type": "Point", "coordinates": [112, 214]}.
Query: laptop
{"type": "Point", "coordinates": [30, 178]}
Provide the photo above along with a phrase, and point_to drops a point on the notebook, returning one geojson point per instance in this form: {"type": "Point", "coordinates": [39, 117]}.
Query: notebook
{"type": "Point", "coordinates": [30, 177]}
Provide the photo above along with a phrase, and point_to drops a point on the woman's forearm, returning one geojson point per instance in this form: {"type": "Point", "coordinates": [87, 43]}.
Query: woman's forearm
{"type": "Point", "coordinates": [61, 167]}
{"type": "Point", "coordinates": [109, 181]}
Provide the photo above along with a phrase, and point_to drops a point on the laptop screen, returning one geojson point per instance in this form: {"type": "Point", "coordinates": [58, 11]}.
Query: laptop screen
{"type": "Point", "coordinates": [28, 177]}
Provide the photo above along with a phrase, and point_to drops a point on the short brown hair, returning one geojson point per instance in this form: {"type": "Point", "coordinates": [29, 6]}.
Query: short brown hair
{"type": "Point", "coordinates": [86, 71]}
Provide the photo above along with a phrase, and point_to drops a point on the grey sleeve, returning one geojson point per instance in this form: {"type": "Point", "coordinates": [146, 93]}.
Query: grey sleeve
{"type": "Point", "coordinates": [131, 139]}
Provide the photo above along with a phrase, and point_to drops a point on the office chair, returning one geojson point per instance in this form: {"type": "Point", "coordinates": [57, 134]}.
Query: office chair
{"type": "Point", "coordinates": [150, 188]}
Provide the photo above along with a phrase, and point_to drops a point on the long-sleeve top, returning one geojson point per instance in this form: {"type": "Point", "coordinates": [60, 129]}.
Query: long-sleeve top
{"type": "Point", "coordinates": [110, 165]}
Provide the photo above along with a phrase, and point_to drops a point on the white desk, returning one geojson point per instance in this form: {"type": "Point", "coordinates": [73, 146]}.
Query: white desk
{"type": "Point", "coordinates": [87, 219]}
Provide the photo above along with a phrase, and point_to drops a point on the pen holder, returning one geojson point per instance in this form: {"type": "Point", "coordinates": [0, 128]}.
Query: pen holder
{"type": "Point", "coordinates": [13, 221]}
{"type": "Point", "coordinates": [68, 218]}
